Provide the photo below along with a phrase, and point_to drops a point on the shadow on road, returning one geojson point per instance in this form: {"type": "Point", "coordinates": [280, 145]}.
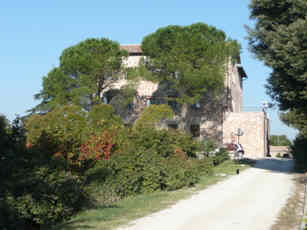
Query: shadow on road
{"type": "Point", "coordinates": [275, 165]}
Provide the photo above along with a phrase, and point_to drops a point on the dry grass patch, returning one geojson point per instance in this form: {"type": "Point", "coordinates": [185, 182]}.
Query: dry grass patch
{"type": "Point", "coordinates": [290, 216]}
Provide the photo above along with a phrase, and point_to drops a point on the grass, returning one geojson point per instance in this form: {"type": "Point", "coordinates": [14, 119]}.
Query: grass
{"type": "Point", "coordinates": [118, 213]}
{"type": "Point", "coordinates": [290, 216]}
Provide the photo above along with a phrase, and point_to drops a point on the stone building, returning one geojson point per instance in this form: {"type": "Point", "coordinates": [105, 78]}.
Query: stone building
{"type": "Point", "coordinates": [219, 120]}
{"type": "Point", "coordinates": [280, 151]}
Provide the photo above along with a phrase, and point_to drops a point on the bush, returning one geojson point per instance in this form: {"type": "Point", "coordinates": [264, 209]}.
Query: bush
{"type": "Point", "coordinates": [37, 194]}
{"type": "Point", "coordinates": [150, 160]}
{"type": "Point", "coordinates": [220, 157]}
{"type": "Point", "coordinates": [70, 134]}
{"type": "Point", "coordinates": [164, 141]}
{"type": "Point", "coordinates": [33, 191]}
{"type": "Point", "coordinates": [298, 150]}
{"type": "Point", "coordinates": [152, 115]}
{"type": "Point", "coordinates": [205, 166]}
{"type": "Point", "coordinates": [142, 171]}
{"type": "Point", "coordinates": [49, 197]}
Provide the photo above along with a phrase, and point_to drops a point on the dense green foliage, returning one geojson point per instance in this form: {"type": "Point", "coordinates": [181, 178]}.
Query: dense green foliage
{"type": "Point", "coordinates": [279, 140]}
{"type": "Point", "coordinates": [165, 142]}
{"type": "Point", "coordinates": [142, 170]}
{"type": "Point", "coordinates": [43, 184]}
{"type": "Point", "coordinates": [73, 144]}
{"type": "Point", "coordinates": [220, 157]}
{"type": "Point", "coordinates": [279, 39]}
{"type": "Point", "coordinates": [85, 70]}
{"type": "Point", "coordinates": [153, 160]}
{"type": "Point", "coordinates": [191, 58]}
{"type": "Point", "coordinates": [122, 99]}
{"type": "Point", "coordinates": [70, 151]}
{"type": "Point", "coordinates": [68, 133]}
{"type": "Point", "coordinates": [298, 150]}
{"type": "Point", "coordinates": [34, 190]}
{"type": "Point", "coordinates": [154, 114]}
{"type": "Point", "coordinates": [296, 118]}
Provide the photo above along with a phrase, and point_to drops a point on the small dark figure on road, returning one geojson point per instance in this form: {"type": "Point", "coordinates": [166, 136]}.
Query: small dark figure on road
{"type": "Point", "coordinates": [238, 171]}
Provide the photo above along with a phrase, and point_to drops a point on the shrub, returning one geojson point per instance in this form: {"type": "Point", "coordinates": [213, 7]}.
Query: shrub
{"type": "Point", "coordinates": [152, 115]}
{"type": "Point", "coordinates": [164, 141]}
{"type": "Point", "coordinates": [68, 124]}
{"type": "Point", "coordinates": [205, 166]}
{"type": "Point", "coordinates": [150, 160]}
{"type": "Point", "coordinates": [33, 191]}
{"type": "Point", "coordinates": [142, 171]}
{"type": "Point", "coordinates": [208, 146]}
{"type": "Point", "coordinates": [48, 196]}
{"type": "Point", "coordinates": [36, 193]}
{"type": "Point", "coordinates": [102, 117]}
{"type": "Point", "coordinates": [298, 150]}
{"type": "Point", "coordinates": [73, 136]}
{"type": "Point", "coordinates": [220, 157]}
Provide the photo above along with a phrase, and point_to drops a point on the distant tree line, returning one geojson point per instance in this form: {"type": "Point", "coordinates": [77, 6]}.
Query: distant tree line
{"type": "Point", "coordinates": [279, 140]}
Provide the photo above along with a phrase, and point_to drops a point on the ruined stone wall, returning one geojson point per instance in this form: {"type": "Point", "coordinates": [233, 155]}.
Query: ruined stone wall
{"type": "Point", "coordinates": [143, 87]}
{"type": "Point", "coordinates": [132, 61]}
{"type": "Point", "coordinates": [255, 128]}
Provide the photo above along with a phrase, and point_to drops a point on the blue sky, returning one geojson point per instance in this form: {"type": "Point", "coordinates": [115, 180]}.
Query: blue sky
{"type": "Point", "coordinates": [34, 33]}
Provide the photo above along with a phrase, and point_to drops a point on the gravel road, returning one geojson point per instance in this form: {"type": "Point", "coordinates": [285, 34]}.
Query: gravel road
{"type": "Point", "coordinates": [250, 200]}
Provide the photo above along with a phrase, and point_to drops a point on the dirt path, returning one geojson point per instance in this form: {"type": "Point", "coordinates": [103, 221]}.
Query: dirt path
{"type": "Point", "coordinates": [250, 200]}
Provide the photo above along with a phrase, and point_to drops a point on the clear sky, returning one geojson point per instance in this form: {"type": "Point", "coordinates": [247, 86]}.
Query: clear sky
{"type": "Point", "coordinates": [34, 33]}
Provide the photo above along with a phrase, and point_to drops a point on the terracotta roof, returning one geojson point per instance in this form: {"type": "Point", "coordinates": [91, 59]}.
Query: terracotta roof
{"type": "Point", "coordinates": [132, 48]}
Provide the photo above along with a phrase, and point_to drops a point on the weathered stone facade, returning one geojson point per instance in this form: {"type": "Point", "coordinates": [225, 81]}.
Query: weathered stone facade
{"type": "Point", "coordinates": [255, 132]}
{"type": "Point", "coordinates": [135, 55]}
{"type": "Point", "coordinates": [207, 119]}
{"type": "Point", "coordinates": [234, 87]}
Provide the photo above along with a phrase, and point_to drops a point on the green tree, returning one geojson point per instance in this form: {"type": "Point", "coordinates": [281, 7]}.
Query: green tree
{"type": "Point", "coordinates": [279, 39]}
{"type": "Point", "coordinates": [279, 140]}
{"type": "Point", "coordinates": [152, 115]}
{"type": "Point", "coordinates": [297, 119]}
{"type": "Point", "coordinates": [85, 71]}
{"type": "Point", "coordinates": [190, 58]}
{"type": "Point", "coordinates": [33, 192]}
{"type": "Point", "coordinates": [64, 130]}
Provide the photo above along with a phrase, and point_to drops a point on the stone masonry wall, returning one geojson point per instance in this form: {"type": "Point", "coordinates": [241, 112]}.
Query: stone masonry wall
{"type": "Point", "coordinates": [281, 150]}
{"type": "Point", "coordinates": [133, 61]}
{"type": "Point", "coordinates": [253, 124]}
{"type": "Point", "coordinates": [233, 84]}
